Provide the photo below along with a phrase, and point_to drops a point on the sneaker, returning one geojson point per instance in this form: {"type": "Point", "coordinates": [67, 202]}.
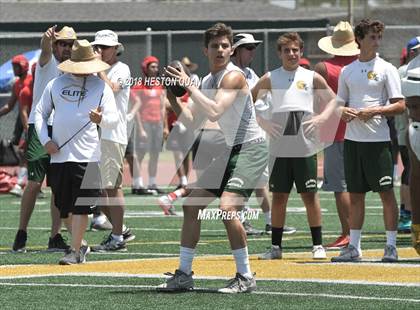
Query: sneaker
{"type": "Point", "coordinates": [141, 191]}
{"type": "Point", "coordinates": [110, 245]}
{"type": "Point", "coordinates": [415, 237]}
{"type": "Point", "coordinates": [348, 254]}
{"type": "Point", "coordinates": [339, 243]}
{"type": "Point", "coordinates": [178, 282]}
{"type": "Point", "coordinates": [57, 244]}
{"type": "Point", "coordinates": [155, 190]}
{"type": "Point", "coordinates": [318, 252]}
{"type": "Point", "coordinates": [85, 250]}
{"type": "Point", "coordinates": [19, 245]}
{"type": "Point", "coordinates": [239, 284]}
{"type": "Point", "coordinates": [390, 254]}
{"type": "Point", "coordinates": [100, 222]}
{"type": "Point", "coordinates": [73, 258]}
{"type": "Point", "coordinates": [16, 190]}
{"type": "Point", "coordinates": [251, 231]}
{"type": "Point", "coordinates": [404, 223]}
{"type": "Point", "coordinates": [41, 194]}
{"type": "Point", "coordinates": [128, 235]}
{"type": "Point", "coordinates": [165, 203]}
{"type": "Point", "coordinates": [273, 253]}
{"type": "Point", "coordinates": [268, 229]}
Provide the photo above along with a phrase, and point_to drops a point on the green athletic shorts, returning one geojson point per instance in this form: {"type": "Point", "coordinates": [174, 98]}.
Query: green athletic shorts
{"type": "Point", "coordinates": [368, 166]}
{"type": "Point", "coordinates": [236, 170]}
{"type": "Point", "coordinates": [38, 159]}
{"type": "Point", "coordinates": [300, 170]}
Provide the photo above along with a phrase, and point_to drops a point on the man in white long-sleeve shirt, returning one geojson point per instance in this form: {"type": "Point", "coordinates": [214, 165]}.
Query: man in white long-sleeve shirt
{"type": "Point", "coordinates": [81, 101]}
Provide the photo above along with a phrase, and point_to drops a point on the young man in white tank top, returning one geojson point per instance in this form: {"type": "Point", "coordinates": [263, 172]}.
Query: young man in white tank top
{"type": "Point", "coordinates": [224, 97]}
{"type": "Point", "coordinates": [294, 90]}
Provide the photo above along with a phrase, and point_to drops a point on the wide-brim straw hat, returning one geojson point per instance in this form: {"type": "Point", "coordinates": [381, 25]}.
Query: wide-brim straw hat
{"type": "Point", "coordinates": [83, 60]}
{"type": "Point", "coordinates": [66, 33]}
{"type": "Point", "coordinates": [189, 64]}
{"type": "Point", "coordinates": [341, 43]}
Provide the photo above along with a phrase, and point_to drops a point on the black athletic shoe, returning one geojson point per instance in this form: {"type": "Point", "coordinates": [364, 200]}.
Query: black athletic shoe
{"type": "Point", "coordinates": [57, 244]}
{"type": "Point", "coordinates": [155, 189]}
{"type": "Point", "coordinates": [141, 191]}
{"type": "Point", "coordinates": [19, 246]}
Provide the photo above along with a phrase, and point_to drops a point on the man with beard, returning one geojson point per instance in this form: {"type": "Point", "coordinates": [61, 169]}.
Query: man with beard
{"type": "Point", "coordinates": [55, 48]}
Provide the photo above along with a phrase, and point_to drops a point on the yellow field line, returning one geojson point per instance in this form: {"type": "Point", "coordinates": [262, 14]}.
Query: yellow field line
{"type": "Point", "coordinates": [291, 267]}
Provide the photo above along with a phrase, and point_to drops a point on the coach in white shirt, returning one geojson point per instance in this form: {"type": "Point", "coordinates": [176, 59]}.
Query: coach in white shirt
{"type": "Point", "coordinates": [113, 141]}
{"type": "Point", "coordinates": [81, 101]}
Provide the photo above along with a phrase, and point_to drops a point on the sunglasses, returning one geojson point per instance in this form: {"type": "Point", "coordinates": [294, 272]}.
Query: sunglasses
{"type": "Point", "coordinates": [250, 47]}
{"type": "Point", "coordinates": [65, 44]}
{"type": "Point", "coordinates": [102, 47]}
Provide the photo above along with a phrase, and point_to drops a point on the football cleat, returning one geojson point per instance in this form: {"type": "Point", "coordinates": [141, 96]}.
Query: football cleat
{"type": "Point", "coordinates": [177, 282]}
{"type": "Point", "coordinates": [348, 254]}
{"type": "Point", "coordinates": [239, 284]}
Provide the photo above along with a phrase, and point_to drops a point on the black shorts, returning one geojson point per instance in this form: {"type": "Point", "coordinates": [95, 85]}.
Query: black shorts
{"type": "Point", "coordinates": [66, 183]}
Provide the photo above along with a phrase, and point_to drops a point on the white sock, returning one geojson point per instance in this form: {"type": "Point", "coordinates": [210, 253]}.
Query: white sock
{"type": "Point", "coordinates": [138, 182]}
{"type": "Point", "coordinates": [124, 228]}
{"type": "Point", "coordinates": [355, 238]}
{"type": "Point", "coordinates": [242, 262]}
{"type": "Point", "coordinates": [391, 237]}
{"type": "Point", "coordinates": [152, 181]}
{"type": "Point", "coordinates": [186, 256]}
{"type": "Point", "coordinates": [23, 172]}
{"type": "Point", "coordinates": [184, 180]}
{"type": "Point", "coordinates": [118, 238]}
{"type": "Point", "coordinates": [267, 217]}
{"type": "Point", "coordinates": [395, 172]}
{"type": "Point", "coordinates": [178, 193]}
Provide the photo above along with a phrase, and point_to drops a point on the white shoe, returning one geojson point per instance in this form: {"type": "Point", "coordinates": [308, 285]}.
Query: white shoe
{"type": "Point", "coordinates": [390, 254]}
{"type": "Point", "coordinates": [318, 252]}
{"type": "Point", "coordinates": [16, 190]}
{"type": "Point", "coordinates": [274, 252]}
{"type": "Point", "coordinates": [348, 254]}
{"type": "Point", "coordinates": [239, 284]}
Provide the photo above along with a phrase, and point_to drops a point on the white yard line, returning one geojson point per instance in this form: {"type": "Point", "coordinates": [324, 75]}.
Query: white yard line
{"type": "Point", "coordinates": [122, 286]}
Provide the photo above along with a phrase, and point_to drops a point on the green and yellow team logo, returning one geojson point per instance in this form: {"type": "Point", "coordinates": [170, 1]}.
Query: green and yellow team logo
{"type": "Point", "coordinates": [372, 76]}
{"type": "Point", "coordinates": [301, 85]}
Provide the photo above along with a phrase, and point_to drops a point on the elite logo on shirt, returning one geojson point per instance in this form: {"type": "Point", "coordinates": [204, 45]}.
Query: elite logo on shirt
{"type": "Point", "coordinates": [73, 93]}
{"type": "Point", "coordinates": [301, 85]}
{"type": "Point", "coordinates": [372, 76]}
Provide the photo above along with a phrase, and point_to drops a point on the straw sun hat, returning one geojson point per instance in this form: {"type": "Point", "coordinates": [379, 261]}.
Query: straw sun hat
{"type": "Point", "coordinates": [66, 33]}
{"type": "Point", "coordinates": [83, 60]}
{"type": "Point", "coordinates": [341, 43]}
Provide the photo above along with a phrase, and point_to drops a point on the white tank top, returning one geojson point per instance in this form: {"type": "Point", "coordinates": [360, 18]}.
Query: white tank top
{"type": "Point", "coordinates": [238, 123]}
{"type": "Point", "coordinates": [292, 100]}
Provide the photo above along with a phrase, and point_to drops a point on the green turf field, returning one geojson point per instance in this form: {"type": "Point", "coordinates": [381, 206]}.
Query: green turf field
{"type": "Point", "coordinates": [127, 280]}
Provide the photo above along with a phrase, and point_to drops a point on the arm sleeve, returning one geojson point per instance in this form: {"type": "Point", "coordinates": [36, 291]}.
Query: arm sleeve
{"type": "Point", "coordinates": [342, 91]}
{"type": "Point", "coordinates": [42, 112]}
{"type": "Point", "coordinates": [109, 109]}
{"type": "Point", "coordinates": [393, 83]}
